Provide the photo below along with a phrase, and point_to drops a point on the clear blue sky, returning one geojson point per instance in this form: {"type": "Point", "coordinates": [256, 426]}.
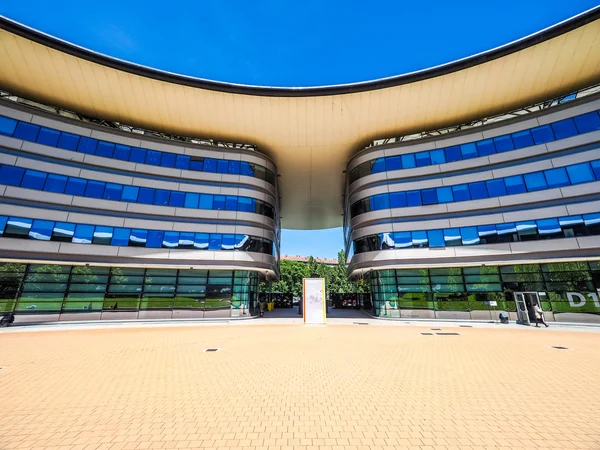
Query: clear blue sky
{"type": "Point", "coordinates": [292, 43]}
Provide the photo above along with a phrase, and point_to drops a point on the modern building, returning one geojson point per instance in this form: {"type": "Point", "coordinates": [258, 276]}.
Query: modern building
{"type": "Point", "coordinates": [464, 190]}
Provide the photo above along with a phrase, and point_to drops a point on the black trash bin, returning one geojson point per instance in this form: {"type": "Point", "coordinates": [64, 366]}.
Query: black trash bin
{"type": "Point", "coordinates": [7, 319]}
{"type": "Point", "coordinates": [503, 317]}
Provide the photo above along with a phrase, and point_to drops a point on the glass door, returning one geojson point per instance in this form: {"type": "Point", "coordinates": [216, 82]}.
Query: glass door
{"type": "Point", "coordinates": [522, 310]}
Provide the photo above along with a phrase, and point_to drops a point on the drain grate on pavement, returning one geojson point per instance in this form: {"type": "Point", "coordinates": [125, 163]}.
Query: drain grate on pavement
{"type": "Point", "coordinates": [448, 334]}
{"type": "Point", "coordinates": [560, 348]}
{"type": "Point", "coordinates": [427, 334]}
{"type": "Point", "coordinates": [436, 329]}
{"type": "Point", "coordinates": [211, 350]}
{"type": "Point", "coordinates": [466, 326]}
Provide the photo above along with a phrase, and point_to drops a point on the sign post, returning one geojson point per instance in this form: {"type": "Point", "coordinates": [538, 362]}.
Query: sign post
{"type": "Point", "coordinates": [313, 301]}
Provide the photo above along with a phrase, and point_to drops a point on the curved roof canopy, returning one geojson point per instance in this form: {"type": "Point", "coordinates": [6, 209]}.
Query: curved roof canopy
{"type": "Point", "coordinates": [310, 133]}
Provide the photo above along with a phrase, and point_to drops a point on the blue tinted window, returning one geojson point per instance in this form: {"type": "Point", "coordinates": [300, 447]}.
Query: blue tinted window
{"type": "Point", "coordinates": [413, 198]}
{"type": "Point", "coordinates": [402, 239]}
{"type": "Point", "coordinates": [95, 189]}
{"type": "Point", "coordinates": [120, 237]}
{"type": "Point", "coordinates": [453, 154]}
{"type": "Point", "coordinates": [206, 201]}
{"type": "Point", "coordinates": [33, 179]}
{"type": "Point", "coordinates": [393, 163]}
{"type": "Point", "coordinates": [596, 169]}
{"type": "Point", "coordinates": [506, 228]}
{"type": "Point", "coordinates": [234, 167]}
{"type": "Point", "coordinates": [87, 145]}
{"type": "Point", "coordinates": [113, 191]}
{"type": "Point", "coordinates": [68, 141]}
{"type": "Point", "coordinates": [486, 230]}
{"type": "Point", "coordinates": [522, 139]}
{"type": "Point", "coordinates": [461, 193]}
{"type": "Point", "coordinates": [7, 126]}
{"type": "Point", "coordinates": [138, 238]}
{"type": "Point", "coordinates": [444, 194]}
{"type": "Point", "coordinates": [219, 202]}
{"type": "Point", "coordinates": [182, 162]}
{"type": "Point", "coordinates": [423, 159]}
{"type": "Point", "coordinates": [419, 239]}
{"type": "Point", "coordinates": [18, 226]}
{"type": "Point", "coordinates": [429, 196]}
{"type": "Point", "coordinates": [11, 175]}
{"type": "Point", "coordinates": [102, 235]}
{"type": "Point", "coordinates": [161, 197]}
{"type": "Point", "coordinates": [75, 186]}
{"type": "Point", "coordinates": [515, 185]}
{"type": "Point", "coordinates": [171, 239]}
{"type": "Point", "coordinates": [146, 196]}
{"type": "Point", "coordinates": [191, 200]}
{"type": "Point", "coordinates": [197, 165]}
{"type": "Point", "coordinates": [408, 161]}
{"type": "Point", "coordinates": [83, 234]}
{"type": "Point", "coordinates": [3, 219]}
{"type": "Point", "coordinates": [548, 226]}
{"type": "Point", "coordinates": [496, 188]}
{"type": "Point", "coordinates": [228, 241]}
{"type": "Point", "coordinates": [542, 134]}
{"type": "Point", "coordinates": [122, 152]}
{"type": "Point", "coordinates": [437, 156]}
{"type": "Point", "coordinates": [246, 169]}
{"type": "Point", "coordinates": [381, 201]}
{"type": "Point", "coordinates": [222, 166]}
{"type": "Point", "coordinates": [55, 183]}
{"type": "Point", "coordinates": [137, 155]}
{"type": "Point", "coordinates": [231, 203]}
{"type": "Point", "coordinates": [63, 232]}
{"type": "Point", "coordinates": [564, 128]}
{"type": "Point", "coordinates": [588, 122]}
{"type": "Point", "coordinates": [154, 239]}
{"type": "Point", "coordinates": [41, 230]}
{"type": "Point", "coordinates": [535, 181]}
{"type": "Point", "coordinates": [214, 242]}
{"type": "Point", "coordinates": [153, 157]}
{"type": "Point", "coordinates": [557, 177]}
{"type": "Point", "coordinates": [105, 149]}
{"type": "Point", "coordinates": [580, 173]}
{"type": "Point", "coordinates": [469, 236]}
{"type": "Point", "coordinates": [210, 165]}
{"type": "Point", "coordinates": [486, 147]}
{"type": "Point", "coordinates": [397, 200]}
{"type": "Point", "coordinates": [48, 137]}
{"type": "Point", "coordinates": [504, 143]}
{"type": "Point", "coordinates": [436, 238]}
{"type": "Point", "coordinates": [478, 190]}
{"type": "Point", "coordinates": [201, 241]}
{"type": "Point", "coordinates": [186, 239]}
{"type": "Point", "coordinates": [468, 150]}
{"type": "Point", "coordinates": [167, 160]}
{"type": "Point", "coordinates": [452, 236]}
{"type": "Point", "coordinates": [27, 131]}
{"type": "Point", "coordinates": [130, 194]}
{"type": "Point", "coordinates": [245, 204]}
{"type": "Point", "coordinates": [177, 199]}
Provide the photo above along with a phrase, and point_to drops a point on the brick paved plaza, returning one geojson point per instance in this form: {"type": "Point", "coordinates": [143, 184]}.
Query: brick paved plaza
{"type": "Point", "coordinates": [290, 386]}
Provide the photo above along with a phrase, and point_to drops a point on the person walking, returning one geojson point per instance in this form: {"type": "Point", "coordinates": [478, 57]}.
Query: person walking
{"type": "Point", "coordinates": [539, 315]}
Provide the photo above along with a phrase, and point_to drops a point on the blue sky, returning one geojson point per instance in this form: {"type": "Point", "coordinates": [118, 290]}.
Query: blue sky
{"type": "Point", "coordinates": [288, 43]}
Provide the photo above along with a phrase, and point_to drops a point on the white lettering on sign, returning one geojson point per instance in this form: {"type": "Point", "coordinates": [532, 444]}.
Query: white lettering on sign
{"type": "Point", "coordinates": [580, 301]}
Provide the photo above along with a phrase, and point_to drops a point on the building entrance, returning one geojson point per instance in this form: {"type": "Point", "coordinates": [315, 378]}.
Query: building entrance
{"type": "Point", "coordinates": [525, 302]}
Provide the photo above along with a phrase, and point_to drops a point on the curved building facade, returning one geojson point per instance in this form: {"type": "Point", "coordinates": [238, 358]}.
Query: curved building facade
{"type": "Point", "coordinates": [96, 222]}
{"type": "Point", "coordinates": [496, 217]}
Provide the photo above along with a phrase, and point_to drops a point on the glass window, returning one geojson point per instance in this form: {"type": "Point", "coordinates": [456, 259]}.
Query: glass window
{"type": "Point", "coordinates": [408, 161]}
{"type": "Point", "coordinates": [55, 183]}
{"type": "Point", "coordinates": [17, 226]}
{"type": "Point", "coordinates": [469, 236]}
{"type": "Point", "coordinates": [138, 238]}
{"type": "Point", "coordinates": [515, 185]}
{"type": "Point", "coordinates": [246, 169]}
{"type": "Point", "coordinates": [419, 239]}
{"type": "Point", "coordinates": [245, 204]}
{"type": "Point", "coordinates": [234, 167]}
{"type": "Point", "coordinates": [496, 188]}
{"type": "Point", "coordinates": [436, 238]}
{"type": "Point", "coordinates": [48, 137]}
{"type": "Point", "coordinates": [485, 231]}
{"type": "Point", "coordinates": [423, 159]}
{"type": "Point", "coordinates": [564, 128]}
{"type": "Point", "coordinates": [378, 165]}
{"type": "Point", "coordinates": [580, 173]}
{"type": "Point", "coordinates": [478, 190]}
{"type": "Point", "coordinates": [146, 196]}
{"type": "Point", "coordinates": [161, 197]}
{"type": "Point", "coordinates": [197, 164]}
{"type": "Point", "coordinates": [186, 240]}
{"type": "Point", "coordinates": [413, 198]}
{"type": "Point", "coordinates": [177, 199]}
{"type": "Point", "coordinates": [137, 155]}
{"type": "Point", "coordinates": [503, 143]}
{"type": "Point", "coordinates": [461, 193]}
{"type": "Point", "coordinates": [167, 160]}
{"type": "Point", "coordinates": [94, 189]}
{"type": "Point", "coordinates": [527, 231]}
{"type": "Point", "coordinates": [380, 201]}
{"type": "Point", "coordinates": [401, 239]}
{"type": "Point", "coordinates": [535, 181]}
{"type": "Point", "coordinates": [26, 131]}
{"type": "Point", "coordinates": [437, 156]}
{"type": "Point", "coordinates": [102, 235]}
{"type": "Point", "coordinates": [453, 153]}
{"type": "Point", "coordinates": [63, 232]}
{"type": "Point", "coordinates": [215, 242]}
{"type": "Point", "coordinates": [506, 228]}
{"type": "Point", "coordinates": [393, 163]}
{"type": "Point", "coordinates": [201, 241]}
{"type": "Point", "coordinates": [130, 194]}
{"type": "Point", "coordinates": [596, 169]}
{"type": "Point", "coordinates": [75, 186]}
{"type": "Point", "coordinates": [113, 191]}
{"type": "Point", "coordinates": [522, 139]}
{"type": "Point", "coordinates": [122, 152]}
{"type": "Point", "coordinates": [7, 126]}
{"type": "Point", "coordinates": [542, 134]}
{"type": "Point", "coordinates": [452, 237]}
{"type": "Point", "coordinates": [397, 199]}
{"type": "Point", "coordinates": [171, 239]}
{"type": "Point", "coordinates": [87, 145]}
{"type": "Point", "coordinates": [444, 194]}
{"type": "Point", "coordinates": [219, 202]}
{"type": "Point", "coordinates": [11, 175]}
{"type": "Point", "coordinates": [548, 227]}
{"type": "Point", "coordinates": [155, 239]}
{"type": "Point", "coordinates": [210, 165]}
{"type": "Point", "coordinates": [191, 200]}
{"type": "Point", "coordinates": [588, 122]}
{"type": "Point", "coordinates": [231, 203]}
{"type": "Point", "coordinates": [105, 149]}
{"type": "Point", "coordinates": [153, 157]}
{"type": "Point", "coordinates": [68, 141]}
{"type": "Point", "coordinates": [206, 201]}
{"type": "Point", "coordinates": [33, 179]}
{"type": "Point", "coordinates": [429, 196]}
{"type": "Point", "coordinates": [41, 230]}
{"type": "Point", "coordinates": [468, 150]}
{"type": "Point", "coordinates": [83, 234]}
{"type": "Point", "coordinates": [120, 237]}
{"type": "Point", "coordinates": [557, 177]}
{"type": "Point", "coordinates": [486, 147]}
{"type": "Point", "coordinates": [182, 162]}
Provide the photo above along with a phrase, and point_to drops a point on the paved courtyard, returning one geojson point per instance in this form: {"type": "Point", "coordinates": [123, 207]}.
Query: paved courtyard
{"type": "Point", "coordinates": [276, 387]}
